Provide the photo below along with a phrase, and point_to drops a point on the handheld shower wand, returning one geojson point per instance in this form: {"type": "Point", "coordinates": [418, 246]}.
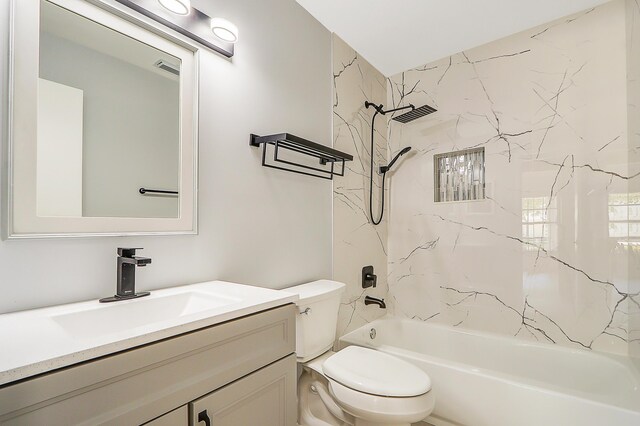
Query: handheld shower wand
{"type": "Point", "coordinates": [385, 169]}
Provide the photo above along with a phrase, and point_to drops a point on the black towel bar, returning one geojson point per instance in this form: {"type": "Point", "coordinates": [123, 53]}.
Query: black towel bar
{"type": "Point", "coordinates": [156, 191]}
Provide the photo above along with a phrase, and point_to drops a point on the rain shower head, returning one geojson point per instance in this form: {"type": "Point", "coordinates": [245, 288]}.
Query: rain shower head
{"type": "Point", "coordinates": [414, 114]}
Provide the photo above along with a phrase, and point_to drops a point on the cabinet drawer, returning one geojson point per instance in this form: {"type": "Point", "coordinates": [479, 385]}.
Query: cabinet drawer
{"type": "Point", "coordinates": [266, 398]}
{"type": "Point", "coordinates": [138, 385]}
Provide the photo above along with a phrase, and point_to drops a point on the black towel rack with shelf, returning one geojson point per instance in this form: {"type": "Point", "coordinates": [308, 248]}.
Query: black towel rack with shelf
{"type": "Point", "coordinates": [326, 156]}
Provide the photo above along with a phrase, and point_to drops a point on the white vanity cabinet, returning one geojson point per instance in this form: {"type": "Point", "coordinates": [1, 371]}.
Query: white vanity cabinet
{"type": "Point", "coordinates": [241, 372]}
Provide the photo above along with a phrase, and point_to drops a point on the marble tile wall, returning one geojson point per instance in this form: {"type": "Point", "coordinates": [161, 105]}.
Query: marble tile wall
{"type": "Point", "coordinates": [356, 242]}
{"type": "Point", "coordinates": [633, 113]}
{"type": "Point", "coordinates": [550, 254]}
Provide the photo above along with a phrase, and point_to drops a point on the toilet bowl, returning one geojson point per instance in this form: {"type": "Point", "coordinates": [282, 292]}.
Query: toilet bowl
{"type": "Point", "coordinates": [355, 386]}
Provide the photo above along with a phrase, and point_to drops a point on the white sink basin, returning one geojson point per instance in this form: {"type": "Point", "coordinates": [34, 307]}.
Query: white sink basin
{"type": "Point", "coordinates": [40, 340]}
{"type": "Point", "coordinates": [107, 318]}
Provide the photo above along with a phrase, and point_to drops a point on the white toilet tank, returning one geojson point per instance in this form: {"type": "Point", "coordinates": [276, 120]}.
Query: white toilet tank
{"type": "Point", "coordinates": [317, 318]}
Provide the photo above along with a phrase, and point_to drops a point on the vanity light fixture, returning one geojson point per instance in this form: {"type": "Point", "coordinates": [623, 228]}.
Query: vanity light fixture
{"type": "Point", "coordinates": [216, 34]}
{"type": "Point", "coordinates": [224, 30]}
{"type": "Point", "coordinates": [181, 7]}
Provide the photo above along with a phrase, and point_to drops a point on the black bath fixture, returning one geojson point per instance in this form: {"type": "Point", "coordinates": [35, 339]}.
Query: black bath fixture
{"type": "Point", "coordinates": [414, 114]}
{"type": "Point", "coordinates": [385, 169]}
{"type": "Point", "coordinates": [369, 279]}
{"type": "Point", "coordinates": [407, 117]}
{"type": "Point", "coordinates": [126, 287]}
{"type": "Point", "coordinates": [144, 191]}
{"type": "Point", "coordinates": [368, 300]}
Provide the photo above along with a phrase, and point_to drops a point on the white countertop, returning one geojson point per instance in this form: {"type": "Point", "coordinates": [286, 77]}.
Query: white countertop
{"type": "Point", "coordinates": [41, 340]}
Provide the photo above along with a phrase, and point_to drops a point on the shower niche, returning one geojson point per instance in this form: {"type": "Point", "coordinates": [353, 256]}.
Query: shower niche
{"type": "Point", "coordinates": [459, 176]}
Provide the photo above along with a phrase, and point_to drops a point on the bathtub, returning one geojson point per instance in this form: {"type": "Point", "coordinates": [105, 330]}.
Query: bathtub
{"type": "Point", "coordinates": [486, 379]}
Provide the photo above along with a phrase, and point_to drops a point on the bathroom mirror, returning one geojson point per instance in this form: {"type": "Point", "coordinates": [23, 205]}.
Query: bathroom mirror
{"type": "Point", "coordinates": [103, 124]}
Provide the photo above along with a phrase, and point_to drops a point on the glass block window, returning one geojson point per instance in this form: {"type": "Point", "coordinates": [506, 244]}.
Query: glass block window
{"type": "Point", "coordinates": [539, 219]}
{"type": "Point", "coordinates": [459, 176]}
{"type": "Point", "coordinates": [624, 218]}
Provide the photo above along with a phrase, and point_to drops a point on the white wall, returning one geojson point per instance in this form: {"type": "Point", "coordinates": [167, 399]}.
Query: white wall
{"type": "Point", "coordinates": [59, 152]}
{"type": "Point", "coordinates": [257, 226]}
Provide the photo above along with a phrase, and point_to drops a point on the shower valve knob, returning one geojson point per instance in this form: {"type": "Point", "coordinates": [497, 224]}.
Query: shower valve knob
{"type": "Point", "coordinates": [369, 279]}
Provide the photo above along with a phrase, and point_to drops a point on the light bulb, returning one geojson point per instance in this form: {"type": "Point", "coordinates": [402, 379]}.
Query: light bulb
{"type": "Point", "coordinates": [224, 30]}
{"type": "Point", "coordinates": [180, 7]}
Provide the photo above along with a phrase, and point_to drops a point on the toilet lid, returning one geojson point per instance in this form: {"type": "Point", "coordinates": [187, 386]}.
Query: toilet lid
{"type": "Point", "coordinates": [376, 373]}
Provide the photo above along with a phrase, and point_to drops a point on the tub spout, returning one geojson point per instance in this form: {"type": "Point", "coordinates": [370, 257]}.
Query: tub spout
{"type": "Point", "coordinates": [368, 300]}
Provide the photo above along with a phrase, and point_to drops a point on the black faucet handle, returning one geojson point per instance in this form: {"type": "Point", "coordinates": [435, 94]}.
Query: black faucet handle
{"type": "Point", "coordinates": [128, 252]}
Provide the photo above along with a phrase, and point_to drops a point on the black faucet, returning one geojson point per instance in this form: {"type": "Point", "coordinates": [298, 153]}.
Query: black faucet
{"type": "Point", "coordinates": [368, 300]}
{"type": "Point", "coordinates": [126, 287]}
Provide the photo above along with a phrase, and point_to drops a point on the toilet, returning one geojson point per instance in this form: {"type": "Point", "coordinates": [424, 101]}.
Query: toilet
{"type": "Point", "coordinates": [355, 386]}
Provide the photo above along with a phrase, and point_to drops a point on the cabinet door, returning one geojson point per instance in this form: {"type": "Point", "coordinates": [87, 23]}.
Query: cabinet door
{"type": "Point", "coordinates": [266, 398]}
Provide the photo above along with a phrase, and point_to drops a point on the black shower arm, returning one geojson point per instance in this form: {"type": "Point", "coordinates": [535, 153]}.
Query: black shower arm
{"type": "Point", "coordinates": [400, 109]}
{"type": "Point", "coordinates": [380, 108]}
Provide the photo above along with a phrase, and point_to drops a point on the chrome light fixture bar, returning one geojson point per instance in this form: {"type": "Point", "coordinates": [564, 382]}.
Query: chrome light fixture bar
{"type": "Point", "coordinates": [194, 24]}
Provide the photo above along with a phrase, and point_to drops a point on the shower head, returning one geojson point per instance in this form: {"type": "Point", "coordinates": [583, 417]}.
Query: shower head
{"type": "Point", "coordinates": [414, 114]}
{"type": "Point", "coordinates": [404, 151]}
{"type": "Point", "coordinates": [385, 169]}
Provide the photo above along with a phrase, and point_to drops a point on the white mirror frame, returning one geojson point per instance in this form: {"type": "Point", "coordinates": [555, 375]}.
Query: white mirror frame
{"type": "Point", "coordinates": [22, 220]}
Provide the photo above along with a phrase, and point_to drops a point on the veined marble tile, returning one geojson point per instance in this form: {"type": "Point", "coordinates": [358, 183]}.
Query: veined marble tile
{"type": "Point", "coordinates": [633, 149]}
{"type": "Point", "coordinates": [549, 254]}
{"type": "Point", "coordinates": [356, 241]}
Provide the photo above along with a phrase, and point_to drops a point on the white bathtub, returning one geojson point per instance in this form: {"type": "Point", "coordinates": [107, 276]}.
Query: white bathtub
{"type": "Point", "coordinates": [485, 379]}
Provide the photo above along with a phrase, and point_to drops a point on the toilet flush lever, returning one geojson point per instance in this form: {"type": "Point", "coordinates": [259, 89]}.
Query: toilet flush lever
{"type": "Point", "coordinates": [306, 311]}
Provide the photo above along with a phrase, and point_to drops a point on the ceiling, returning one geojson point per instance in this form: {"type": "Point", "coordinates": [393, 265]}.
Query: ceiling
{"type": "Point", "coordinates": [397, 35]}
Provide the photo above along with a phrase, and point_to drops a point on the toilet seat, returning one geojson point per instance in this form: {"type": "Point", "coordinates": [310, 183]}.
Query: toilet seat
{"type": "Point", "coordinates": [376, 373]}
{"type": "Point", "coordinates": [382, 408]}
{"type": "Point", "coordinates": [379, 387]}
